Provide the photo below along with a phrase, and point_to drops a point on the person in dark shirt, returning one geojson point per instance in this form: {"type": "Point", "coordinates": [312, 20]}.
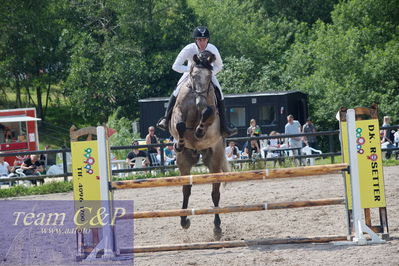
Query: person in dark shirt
{"type": "Point", "coordinates": [311, 141]}
{"type": "Point", "coordinates": [32, 166]}
{"type": "Point", "coordinates": [134, 154]}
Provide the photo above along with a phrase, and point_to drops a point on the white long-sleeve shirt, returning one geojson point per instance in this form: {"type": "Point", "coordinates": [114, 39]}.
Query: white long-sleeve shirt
{"type": "Point", "coordinates": [186, 55]}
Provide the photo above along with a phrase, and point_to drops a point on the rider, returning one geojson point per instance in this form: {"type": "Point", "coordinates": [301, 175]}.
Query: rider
{"type": "Point", "coordinates": [201, 37]}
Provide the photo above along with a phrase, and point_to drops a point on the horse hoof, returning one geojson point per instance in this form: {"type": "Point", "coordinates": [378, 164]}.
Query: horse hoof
{"type": "Point", "coordinates": [217, 233]}
{"type": "Point", "coordinates": [186, 225]}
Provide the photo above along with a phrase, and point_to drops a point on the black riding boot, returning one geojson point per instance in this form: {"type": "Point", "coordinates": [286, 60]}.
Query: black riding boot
{"type": "Point", "coordinates": [163, 123]}
{"type": "Point", "coordinates": [226, 130]}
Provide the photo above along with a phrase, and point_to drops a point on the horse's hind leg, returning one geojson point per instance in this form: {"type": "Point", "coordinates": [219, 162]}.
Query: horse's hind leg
{"type": "Point", "coordinates": [184, 221]}
{"type": "Point", "coordinates": [216, 162]}
{"type": "Point", "coordinates": [185, 160]}
{"type": "Point", "coordinates": [217, 230]}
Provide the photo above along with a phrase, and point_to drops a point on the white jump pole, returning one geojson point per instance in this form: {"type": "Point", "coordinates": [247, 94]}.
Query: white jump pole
{"type": "Point", "coordinates": [107, 242]}
{"type": "Point", "coordinates": [358, 222]}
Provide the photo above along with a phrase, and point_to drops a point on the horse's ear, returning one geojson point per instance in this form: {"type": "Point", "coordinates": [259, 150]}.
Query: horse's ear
{"type": "Point", "coordinates": [211, 58]}
{"type": "Point", "coordinates": [196, 59]}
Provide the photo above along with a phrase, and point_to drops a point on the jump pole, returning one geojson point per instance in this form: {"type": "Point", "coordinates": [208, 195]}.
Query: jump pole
{"type": "Point", "coordinates": [232, 244]}
{"type": "Point", "coordinates": [230, 176]}
{"type": "Point", "coordinates": [231, 209]}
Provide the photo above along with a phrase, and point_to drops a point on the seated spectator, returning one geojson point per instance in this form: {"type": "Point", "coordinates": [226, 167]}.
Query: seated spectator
{"type": "Point", "coordinates": [5, 168]}
{"type": "Point", "coordinates": [232, 152]}
{"type": "Point", "coordinates": [253, 149]}
{"type": "Point", "coordinates": [273, 144]}
{"type": "Point", "coordinates": [396, 138]}
{"type": "Point", "coordinates": [2, 131]}
{"type": "Point", "coordinates": [8, 135]}
{"type": "Point", "coordinates": [253, 129]}
{"type": "Point", "coordinates": [134, 154]}
{"type": "Point", "coordinates": [32, 166]}
{"type": "Point", "coordinates": [170, 155]}
{"type": "Point", "coordinates": [48, 159]}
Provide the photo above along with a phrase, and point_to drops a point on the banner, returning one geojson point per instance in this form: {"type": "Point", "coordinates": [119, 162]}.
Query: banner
{"type": "Point", "coordinates": [372, 194]}
{"type": "Point", "coordinates": [86, 181]}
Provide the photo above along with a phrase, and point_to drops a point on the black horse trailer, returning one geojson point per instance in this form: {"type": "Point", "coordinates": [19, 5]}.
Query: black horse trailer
{"type": "Point", "coordinates": [269, 109]}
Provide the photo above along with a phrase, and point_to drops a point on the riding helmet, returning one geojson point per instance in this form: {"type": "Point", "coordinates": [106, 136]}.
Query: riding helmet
{"type": "Point", "coordinates": [201, 32]}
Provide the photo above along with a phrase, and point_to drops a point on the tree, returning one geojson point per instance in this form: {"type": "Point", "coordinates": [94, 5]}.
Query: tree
{"type": "Point", "coordinates": [350, 62]}
{"type": "Point", "coordinates": [127, 58]}
{"type": "Point", "coordinates": [29, 54]}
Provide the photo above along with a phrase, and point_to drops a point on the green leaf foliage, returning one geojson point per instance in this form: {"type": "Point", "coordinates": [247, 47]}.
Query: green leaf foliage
{"type": "Point", "coordinates": [103, 56]}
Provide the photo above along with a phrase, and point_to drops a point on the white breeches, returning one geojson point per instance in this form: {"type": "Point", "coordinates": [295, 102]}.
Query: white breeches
{"type": "Point", "coordinates": [184, 78]}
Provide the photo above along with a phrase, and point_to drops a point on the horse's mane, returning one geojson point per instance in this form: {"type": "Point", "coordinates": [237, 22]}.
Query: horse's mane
{"type": "Point", "coordinates": [204, 59]}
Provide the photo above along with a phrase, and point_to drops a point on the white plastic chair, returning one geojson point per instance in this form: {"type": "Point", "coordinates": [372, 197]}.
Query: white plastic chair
{"type": "Point", "coordinates": [154, 160]}
{"type": "Point", "coordinates": [138, 162]}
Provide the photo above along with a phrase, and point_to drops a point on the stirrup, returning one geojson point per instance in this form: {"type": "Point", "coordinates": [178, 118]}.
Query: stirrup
{"type": "Point", "coordinates": [162, 126]}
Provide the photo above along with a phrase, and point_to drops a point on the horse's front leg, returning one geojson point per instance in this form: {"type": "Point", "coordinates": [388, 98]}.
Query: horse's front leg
{"type": "Point", "coordinates": [217, 230]}
{"type": "Point", "coordinates": [201, 128]}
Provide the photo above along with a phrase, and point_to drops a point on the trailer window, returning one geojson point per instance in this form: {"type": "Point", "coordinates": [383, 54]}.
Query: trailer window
{"type": "Point", "coordinates": [13, 132]}
{"type": "Point", "coordinates": [267, 115]}
{"type": "Point", "coordinates": [237, 116]}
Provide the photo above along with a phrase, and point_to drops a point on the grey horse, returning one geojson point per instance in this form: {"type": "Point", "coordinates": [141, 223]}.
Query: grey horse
{"type": "Point", "coordinates": [196, 127]}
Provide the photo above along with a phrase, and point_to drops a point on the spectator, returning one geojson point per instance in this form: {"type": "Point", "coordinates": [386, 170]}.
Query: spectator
{"type": "Point", "coordinates": [134, 154]}
{"type": "Point", "coordinates": [396, 138]}
{"type": "Point", "coordinates": [151, 138]}
{"type": "Point", "coordinates": [170, 155]}
{"type": "Point", "coordinates": [309, 128]}
{"type": "Point", "coordinates": [396, 141]}
{"type": "Point", "coordinates": [388, 134]}
{"type": "Point", "coordinates": [253, 129]}
{"type": "Point", "coordinates": [5, 168]}
{"type": "Point", "coordinates": [386, 143]}
{"type": "Point", "coordinates": [32, 166]}
{"type": "Point", "coordinates": [272, 149]}
{"type": "Point", "coordinates": [231, 151]}
{"type": "Point", "coordinates": [48, 159]}
{"type": "Point", "coordinates": [252, 149]}
{"type": "Point", "coordinates": [293, 127]}
{"type": "Point", "coordinates": [8, 135]}
{"type": "Point", "coordinates": [2, 131]}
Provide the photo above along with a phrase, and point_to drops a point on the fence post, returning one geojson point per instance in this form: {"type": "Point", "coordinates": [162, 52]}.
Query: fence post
{"type": "Point", "coordinates": [64, 164]}
{"type": "Point", "coordinates": [331, 146]}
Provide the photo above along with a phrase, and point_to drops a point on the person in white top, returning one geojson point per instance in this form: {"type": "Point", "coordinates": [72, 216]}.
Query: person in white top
{"type": "Point", "coordinates": [4, 167]}
{"type": "Point", "coordinates": [232, 151]}
{"type": "Point", "coordinates": [396, 138]}
{"type": "Point", "coordinates": [201, 36]}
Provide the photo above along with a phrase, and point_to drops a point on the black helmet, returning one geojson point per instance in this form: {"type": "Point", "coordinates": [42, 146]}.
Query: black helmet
{"type": "Point", "coordinates": [201, 32]}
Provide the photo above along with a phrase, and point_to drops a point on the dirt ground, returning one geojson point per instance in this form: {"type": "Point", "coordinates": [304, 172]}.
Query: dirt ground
{"type": "Point", "coordinates": [285, 223]}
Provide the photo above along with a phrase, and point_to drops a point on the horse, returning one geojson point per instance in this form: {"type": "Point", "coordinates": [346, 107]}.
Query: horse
{"type": "Point", "coordinates": [195, 125]}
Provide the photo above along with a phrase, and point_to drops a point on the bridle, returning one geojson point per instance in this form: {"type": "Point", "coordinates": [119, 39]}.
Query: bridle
{"type": "Point", "coordinates": [197, 93]}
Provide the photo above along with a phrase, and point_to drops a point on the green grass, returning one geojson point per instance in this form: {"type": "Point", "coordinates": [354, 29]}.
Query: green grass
{"type": "Point", "coordinates": [47, 188]}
